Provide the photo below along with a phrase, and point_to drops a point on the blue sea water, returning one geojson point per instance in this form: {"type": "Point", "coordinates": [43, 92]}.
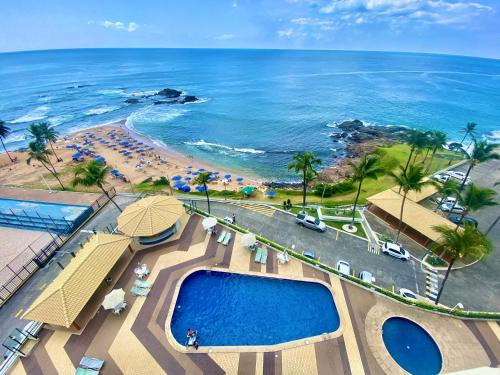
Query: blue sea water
{"type": "Point", "coordinates": [257, 107]}
{"type": "Point", "coordinates": [234, 310]}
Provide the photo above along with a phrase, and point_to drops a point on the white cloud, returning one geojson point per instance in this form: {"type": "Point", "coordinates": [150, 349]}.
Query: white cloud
{"type": "Point", "coordinates": [118, 25]}
{"type": "Point", "coordinates": [225, 37]}
{"type": "Point", "coordinates": [288, 33]}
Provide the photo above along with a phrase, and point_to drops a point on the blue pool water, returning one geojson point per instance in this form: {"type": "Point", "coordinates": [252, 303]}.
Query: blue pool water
{"type": "Point", "coordinates": [231, 309]}
{"type": "Point", "coordinates": [411, 346]}
{"type": "Point", "coordinates": [41, 215]}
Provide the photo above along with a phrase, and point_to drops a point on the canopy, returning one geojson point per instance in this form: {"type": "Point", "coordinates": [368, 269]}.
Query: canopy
{"type": "Point", "coordinates": [227, 176]}
{"type": "Point", "coordinates": [200, 188]}
{"type": "Point", "coordinates": [178, 185]}
{"type": "Point", "coordinates": [64, 298]}
{"type": "Point", "coordinates": [186, 189]}
{"type": "Point", "coordinates": [201, 170]}
{"type": "Point", "coordinates": [209, 222]}
{"type": "Point", "coordinates": [77, 155]}
{"type": "Point", "coordinates": [114, 299]}
{"type": "Point", "coordinates": [271, 194]}
{"type": "Point", "coordinates": [150, 216]}
{"type": "Point", "coordinates": [248, 239]}
{"type": "Point", "coordinates": [248, 190]}
{"type": "Point", "coordinates": [239, 179]}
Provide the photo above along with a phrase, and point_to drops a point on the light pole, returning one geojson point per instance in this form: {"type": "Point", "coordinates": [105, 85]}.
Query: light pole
{"type": "Point", "coordinates": [459, 305]}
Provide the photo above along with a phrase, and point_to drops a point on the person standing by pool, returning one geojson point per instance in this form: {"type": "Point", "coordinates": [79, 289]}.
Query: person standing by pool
{"type": "Point", "coordinates": [234, 219]}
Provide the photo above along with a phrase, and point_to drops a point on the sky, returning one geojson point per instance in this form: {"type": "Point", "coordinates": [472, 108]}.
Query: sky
{"type": "Point", "coordinates": [461, 27]}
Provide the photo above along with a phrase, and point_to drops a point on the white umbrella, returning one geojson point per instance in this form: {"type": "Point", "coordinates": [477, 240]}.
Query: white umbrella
{"type": "Point", "coordinates": [248, 239]}
{"type": "Point", "coordinates": [209, 222]}
{"type": "Point", "coordinates": [114, 299]}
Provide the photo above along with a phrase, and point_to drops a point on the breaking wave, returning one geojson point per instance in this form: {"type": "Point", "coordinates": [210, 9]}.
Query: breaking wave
{"type": "Point", "coordinates": [223, 148]}
{"type": "Point", "coordinates": [101, 110]}
{"type": "Point", "coordinates": [36, 114]}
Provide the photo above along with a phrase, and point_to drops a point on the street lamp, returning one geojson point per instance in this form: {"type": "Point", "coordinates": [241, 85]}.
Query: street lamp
{"type": "Point", "coordinates": [459, 305]}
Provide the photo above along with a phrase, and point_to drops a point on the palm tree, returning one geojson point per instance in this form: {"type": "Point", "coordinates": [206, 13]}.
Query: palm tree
{"type": "Point", "coordinates": [50, 135]}
{"type": "Point", "coordinates": [416, 140]}
{"type": "Point", "coordinates": [367, 167]}
{"type": "Point", "coordinates": [4, 132]}
{"type": "Point", "coordinates": [454, 245]}
{"type": "Point", "coordinates": [92, 173]}
{"type": "Point", "coordinates": [38, 152]}
{"type": "Point", "coordinates": [436, 142]}
{"type": "Point", "coordinates": [475, 198]}
{"type": "Point", "coordinates": [203, 179]}
{"type": "Point", "coordinates": [450, 188]}
{"type": "Point", "coordinates": [409, 180]}
{"type": "Point", "coordinates": [304, 163]}
{"type": "Point", "coordinates": [470, 128]}
{"type": "Point", "coordinates": [36, 132]}
{"type": "Point", "coordinates": [482, 152]}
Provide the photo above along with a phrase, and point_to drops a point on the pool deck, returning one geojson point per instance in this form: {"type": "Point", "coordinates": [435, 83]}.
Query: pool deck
{"type": "Point", "coordinates": [64, 197]}
{"type": "Point", "coordinates": [136, 342]}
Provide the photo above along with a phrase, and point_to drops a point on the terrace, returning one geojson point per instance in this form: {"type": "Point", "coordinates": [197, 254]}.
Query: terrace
{"type": "Point", "coordinates": [138, 340]}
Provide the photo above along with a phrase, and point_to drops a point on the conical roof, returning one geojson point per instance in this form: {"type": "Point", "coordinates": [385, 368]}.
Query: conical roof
{"type": "Point", "coordinates": [150, 216]}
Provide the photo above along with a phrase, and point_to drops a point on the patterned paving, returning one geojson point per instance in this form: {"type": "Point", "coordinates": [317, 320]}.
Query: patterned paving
{"type": "Point", "coordinates": [259, 208]}
{"type": "Point", "coordinates": [136, 342]}
{"type": "Point", "coordinates": [431, 284]}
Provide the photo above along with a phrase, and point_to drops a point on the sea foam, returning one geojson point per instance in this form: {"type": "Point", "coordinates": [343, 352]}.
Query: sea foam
{"type": "Point", "coordinates": [36, 114]}
{"type": "Point", "coordinates": [221, 148]}
{"type": "Point", "coordinates": [101, 110]}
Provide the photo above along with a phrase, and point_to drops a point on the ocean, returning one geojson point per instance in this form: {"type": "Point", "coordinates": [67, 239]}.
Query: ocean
{"type": "Point", "coordinates": [255, 108]}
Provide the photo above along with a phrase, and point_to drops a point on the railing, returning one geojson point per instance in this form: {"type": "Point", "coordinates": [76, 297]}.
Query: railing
{"type": "Point", "coordinates": [25, 264]}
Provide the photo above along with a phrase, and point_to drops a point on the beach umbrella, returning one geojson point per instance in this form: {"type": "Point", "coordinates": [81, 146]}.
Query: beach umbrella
{"type": "Point", "coordinates": [248, 190]}
{"type": "Point", "coordinates": [186, 189]}
{"type": "Point", "coordinates": [209, 222]}
{"type": "Point", "coordinates": [201, 170]}
{"type": "Point", "coordinates": [227, 176]}
{"type": "Point", "coordinates": [178, 185]}
{"type": "Point", "coordinates": [187, 171]}
{"type": "Point", "coordinates": [77, 155]}
{"type": "Point", "coordinates": [248, 239]}
{"type": "Point", "coordinates": [114, 299]}
{"type": "Point", "coordinates": [200, 188]}
{"type": "Point", "coordinates": [271, 194]}
{"type": "Point", "coordinates": [215, 173]}
{"type": "Point", "coordinates": [187, 178]}
{"type": "Point", "coordinates": [196, 173]}
{"type": "Point", "coordinates": [239, 179]}
{"type": "Point", "coordinates": [176, 178]}
{"type": "Point", "coordinates": [190, 166]}
{"type": "Point", "coordinates": [100, 159]}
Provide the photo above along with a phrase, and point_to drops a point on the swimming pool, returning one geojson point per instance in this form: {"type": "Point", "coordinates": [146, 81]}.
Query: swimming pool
{"type": "Point", "coordinates": [229, 309]}
{"type": "Point", "coordinates": [55, 217]}
{"type": "Point", "coordinates": [411, 346]}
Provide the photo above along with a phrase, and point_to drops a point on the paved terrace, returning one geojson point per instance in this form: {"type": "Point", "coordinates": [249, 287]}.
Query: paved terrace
{"type": "Point", "coordinates": [136, 341]}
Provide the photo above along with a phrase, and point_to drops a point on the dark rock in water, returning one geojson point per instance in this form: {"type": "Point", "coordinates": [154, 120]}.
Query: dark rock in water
{"type": "Point", "coordinates": [156, 102]}
{"type": "Point", "coordinates": [169, 93]}
{"type": "Point", "coordinates": [282, 185]}
{"type": "Point", "coordinates": [188, 99]}
{"type": "Point", "coordinates": [350, 126]}
{"type": "Point", "coordinates": [132, 101]}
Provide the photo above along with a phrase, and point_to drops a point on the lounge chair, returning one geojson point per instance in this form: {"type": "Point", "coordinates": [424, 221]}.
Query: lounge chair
{"type": "Point", "coordinates": [252, 247]}
{"type": "Point", "coordinates": [89, 366]}
{"type": "Point", "coordinates": [263, 258]}
{"type": "Point", "coordinates": [142, 284]}
{"type": "Point", "coordinates": [85, 371]}
{"type": "Point", "coordinates": [222, 236]}
{"type": "Point", "coordinates": [143, 292]}
{"type": "Point", "coordinates": [227, 238]}
{"type": "Point", "coordinates": [283, 258]}
{"type": "Point", "coordinates": [258, 255]}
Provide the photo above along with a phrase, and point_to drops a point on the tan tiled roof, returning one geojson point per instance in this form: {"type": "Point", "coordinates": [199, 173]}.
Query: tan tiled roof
{"type": "Point", "coordinates": [150, 216]}
{"type": "Point", "coordinates": [62, 300]}
{"type": "Point", "coordinates": [414, 215]}
{"type": "Point", "coordinates": [426, 192]}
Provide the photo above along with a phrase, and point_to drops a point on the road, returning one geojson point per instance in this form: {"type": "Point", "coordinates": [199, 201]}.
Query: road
{"type": "Point", "coordinates": [331, 246]}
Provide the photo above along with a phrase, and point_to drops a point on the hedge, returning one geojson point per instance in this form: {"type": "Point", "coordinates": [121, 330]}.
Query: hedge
{"type": "Point", "coordinates": [385, 292]}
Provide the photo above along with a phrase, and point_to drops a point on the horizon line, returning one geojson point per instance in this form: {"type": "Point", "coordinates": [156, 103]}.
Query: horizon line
{"type": "Point", "coordinates": [248, 48]}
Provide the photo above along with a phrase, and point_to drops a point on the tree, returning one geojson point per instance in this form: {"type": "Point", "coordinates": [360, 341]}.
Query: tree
{"type": "Point", "coordinates": [367, 167]}
{"type": "Point", "coordinates": [475, 198]}
{"type": "Point", "coordinates": [93, 173]}
{"type": "Point", "coordinates": [304, 163]}
{"type": "Point", "coordinates": [36, 132]}
{"type": "Point", "coordinates": [4, 133]}
{"type": "Point", "coordinates": [50, 135]}
{"type": "Point", "coordinates": [450, 188]}
{"type": "Point", "coordinates": [203, 179]}
{"type": "Point", "coordinates": [416, 139]}
{"type": "Point", "coordinates": [455, 244]}
{"type": "Point", "coordinates": [469, 129]}
{"type": "Point", "coordinates": [38, 152]}
{"type": "Point", "coordinates": [413, 179]}
{"type": "Point", "coordinates": [481, 152]}
{"type": "Point", "coordinates": [437, 140]}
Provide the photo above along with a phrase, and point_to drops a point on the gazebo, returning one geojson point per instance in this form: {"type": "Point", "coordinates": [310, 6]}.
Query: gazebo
{"type": "Point", "coordinates": [152, 220]}
{"type": "Point", "coordinates": [75, 295]}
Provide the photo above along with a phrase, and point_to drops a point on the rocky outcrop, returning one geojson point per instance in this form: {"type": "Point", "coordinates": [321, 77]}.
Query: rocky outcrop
{"type": "Point", "coordinates": [181, 100]}
{"type": "Point", "coordinates": [132, 101]}
{"type": "Point", "coordinates": [169, 93]}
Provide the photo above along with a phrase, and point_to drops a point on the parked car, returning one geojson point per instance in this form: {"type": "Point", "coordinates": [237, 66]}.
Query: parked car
{"type": "Point", "coordinates": [366, 276]}
{"type": "Point", "coordinates": [447, 200]}
{"type": "Point", "coordinates": [310, 254]}
{"type": "Point", "coordinates": [407, 293]}
{"type": "Point", "coordinates": [395, 250]}
{"type": "Point", "coordinates": [343, 267]}
{"type": "Point", "coordinates": [441, 177]}
{"type": "Point", "coordinates": [455, 219]}
{"type": "Point", "coordinates": [310, 222]}
{"type": "Point", "coordinates": [446, 207]}
{"type": "Point", "coordinates": [458, 176]}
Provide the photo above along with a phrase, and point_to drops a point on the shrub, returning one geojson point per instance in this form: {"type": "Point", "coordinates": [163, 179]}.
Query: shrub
{"type": "Point", "coordinates": [331, 189]}
{"type": "Point", "coordinates": [436, 261]}
{"type": "Point", "coordinates": [162, 181]}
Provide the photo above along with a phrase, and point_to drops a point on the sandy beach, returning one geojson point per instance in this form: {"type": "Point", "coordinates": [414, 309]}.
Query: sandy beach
{"type": "Point", "coordinates": [155, 161]}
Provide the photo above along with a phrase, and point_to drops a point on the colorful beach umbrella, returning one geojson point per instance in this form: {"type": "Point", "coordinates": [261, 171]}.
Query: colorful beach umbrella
{"type": "Point", "coordinates": [200, 188]}
{"type": "Point", "coordinates": [227, 176]}
{"type": "Point", "coordinates": [176, 178]}
{"type": "Point", "coordinates": [239, 179]}
{"type": "Point", "coordinates": [186, 189]}
{"type": "Point", "coordinates": [179, 185]}
{"type": "Point", "coordinates": [248, 190]}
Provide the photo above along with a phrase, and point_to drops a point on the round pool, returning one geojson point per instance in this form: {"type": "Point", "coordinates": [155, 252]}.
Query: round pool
{"type": "Point", "coordinates": [411, 346]}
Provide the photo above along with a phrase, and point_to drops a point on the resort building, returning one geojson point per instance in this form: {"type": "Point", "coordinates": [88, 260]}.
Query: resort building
{"type": "Point", "coordinates": [418, 221]}
{"type": "Point", "coordinates": [153, 220]}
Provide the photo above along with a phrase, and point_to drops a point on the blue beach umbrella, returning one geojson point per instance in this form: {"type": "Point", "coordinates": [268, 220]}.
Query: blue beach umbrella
{"type": "Point", "coordinates": [227, 176]}
{"type": "Point", "coordinates": [201, 170]}
{"type": "Point", "coordinates": [187, 178]}
{"type": "Point", "coordinates": [215, 173]}
{"type": "Point", "coordinates": [77, 155]}
{"type": "Point", "coordinates": [196, 173]}
{"type": "Point", "coordinates": [186, 189]}
{"type": "Point", "coordinates": [176, 178]}
{"type": "Point", "coordinates": [178, 185]}
{"type": "Point", "coordinates": [200, 188]}
{"type": "Point", "coordinates": [190, 166]}
{"type": "Point", "coordinates": [239, 179]}
{"type": "Point", "coordinates": [271, 194]}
